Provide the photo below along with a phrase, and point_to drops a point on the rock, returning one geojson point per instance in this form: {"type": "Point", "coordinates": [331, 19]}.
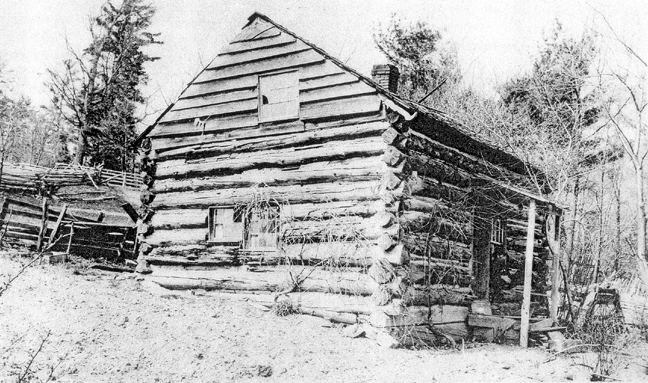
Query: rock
{"type": "Point", "coordinates": [353, 331]}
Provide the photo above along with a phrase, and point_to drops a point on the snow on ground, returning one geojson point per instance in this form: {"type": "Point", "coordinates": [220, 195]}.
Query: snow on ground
{"type": "Point", "coordinates": [107, 327]}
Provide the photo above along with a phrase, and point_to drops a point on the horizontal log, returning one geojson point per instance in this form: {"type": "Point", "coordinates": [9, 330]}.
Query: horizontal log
{"type": "Point", "coordinates": [315, 193]}
{"type": "Point", "coordinates": [430, 188]}
{"type": "Point", "coordinates": [290, 139]}
{"type": "Point", "coordinates": [219, 130]}
{"type": "Point", "coordinates": [350, 170]}
{"type": "Point", "coordinates": [338, 229]}
{"type": "Point", "coordinates": [425, 296]}
{"type": "Point", "coordinates": [331, 209]}
{"type": "Point", "coordinates": [193, 136]}
{"type": "Point", "coordinates": [424, 143]}
{"type": "Point", "coordinates": [273, 278]}
{"type": "Point", "coordinates": [196, 218]}
{"type": "Point", "coordinates": [238, 162]}
{"type": "Point", "coordinates": [419, 315]}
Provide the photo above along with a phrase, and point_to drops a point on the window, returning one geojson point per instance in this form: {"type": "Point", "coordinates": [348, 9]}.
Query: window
{"type": "Point", "coordinates": [263, 229]}
{"type": "Point", "coordinates": [279, 96]}
{"type": "Point", "coordinates": [498, 232]}
{"type": "Point", "coordinates": [225, 225]}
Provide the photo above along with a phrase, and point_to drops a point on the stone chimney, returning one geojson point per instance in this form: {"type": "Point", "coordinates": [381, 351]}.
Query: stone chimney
{"type": "Point", "coordinates": [386, 75]}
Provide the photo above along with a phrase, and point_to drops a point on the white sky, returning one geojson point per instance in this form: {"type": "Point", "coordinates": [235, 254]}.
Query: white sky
{"type": "Point", "coordinates": [494, 39]}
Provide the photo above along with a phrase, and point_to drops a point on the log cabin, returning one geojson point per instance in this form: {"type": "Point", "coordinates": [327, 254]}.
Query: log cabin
{"type": "Point", "coordinates": [281, 170]}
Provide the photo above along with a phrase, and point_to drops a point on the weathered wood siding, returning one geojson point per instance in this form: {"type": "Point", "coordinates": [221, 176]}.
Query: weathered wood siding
{"type": "Point", "coordinates": [446, 200]}
{"type": "Point", "coordinates": [323, 168]}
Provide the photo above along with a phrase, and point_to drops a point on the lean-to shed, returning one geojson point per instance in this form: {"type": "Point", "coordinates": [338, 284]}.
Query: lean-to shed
{"type": "Point", "coordinates": [279, 168]}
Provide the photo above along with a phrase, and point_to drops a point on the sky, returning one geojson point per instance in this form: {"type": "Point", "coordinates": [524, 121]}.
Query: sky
{"type": "Point", "coordinates": [495, 40]}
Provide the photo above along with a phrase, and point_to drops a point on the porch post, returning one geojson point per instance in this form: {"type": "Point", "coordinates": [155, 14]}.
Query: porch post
{"type": "Point", "coordinates": [553, 238]}
{"type": "Point", "coordinates": [528, 273]}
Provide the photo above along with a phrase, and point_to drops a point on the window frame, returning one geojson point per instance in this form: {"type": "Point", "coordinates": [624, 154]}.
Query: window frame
{"type": "Point", "coordinates": [247, 241]}
{"type": "Point", "coordinates": [261, 117]}
{"type": "Point", "coordinates": [498, 231]}
{"type": "Point", "coordinates": [237, 217]}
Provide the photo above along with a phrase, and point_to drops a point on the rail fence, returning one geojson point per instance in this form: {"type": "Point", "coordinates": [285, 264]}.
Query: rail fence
{"type": "Point", "coordinates": [32, 178]}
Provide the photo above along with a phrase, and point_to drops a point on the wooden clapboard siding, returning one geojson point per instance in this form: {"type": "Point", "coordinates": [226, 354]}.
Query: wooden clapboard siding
{"type": "Point", "coordinates": [211, 111]}
{"type": "Point", "coordinates": [364, 168]}
{"type": "Point", "coordinates": [239, 111]}
{"type": "Point", "coordinates": [319, 70]}
{"type": "Point", "coordinates": [335, 91]}
{"type": "Point", "coordinates": [211, 125]}
{"type": "Point", "coordinates": [339, 108]}
{"type": "Point", "coordinates": [223, 61]}
{"type": "Point", "coordinates": [220, 86]}
{"type": "Point", "coordinates": [256, 30]}
{"type": "Point", "coordinates": [238, 162]}
{"type": "Point", "coordinates": [309, 72]}
{"type": "Point", "coordinates": [251, 45]}
{"type": "Point", "coordinates": [216, 99]}
{"type": "Point", "coordinates": [315, 193]}
{"type": "Point", "coordinates": [327, 80]}
{"type": "Point", "coordinates": [277, 63]}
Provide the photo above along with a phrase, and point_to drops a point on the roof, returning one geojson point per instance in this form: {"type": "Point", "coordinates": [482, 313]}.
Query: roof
{"type": "Point", "coordinates": [410, 109]}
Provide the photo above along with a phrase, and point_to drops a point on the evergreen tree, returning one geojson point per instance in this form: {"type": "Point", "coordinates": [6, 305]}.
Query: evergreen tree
{"type": "Point", "coordinates": [98, 91]}
{"type": "Point", "coordinates": [423, 59]}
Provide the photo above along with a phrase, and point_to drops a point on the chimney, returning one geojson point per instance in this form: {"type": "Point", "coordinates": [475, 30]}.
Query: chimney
{"type": "Point", "coordinates": [386, 75]}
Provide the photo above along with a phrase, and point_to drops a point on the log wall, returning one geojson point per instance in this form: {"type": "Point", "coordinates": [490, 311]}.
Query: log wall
{"type": "Point", "coordinates": [371, 204]}
{"type": "Point", "coordinates": [323, 168]}
{"type": "Point", "coordinates": [446, 202]}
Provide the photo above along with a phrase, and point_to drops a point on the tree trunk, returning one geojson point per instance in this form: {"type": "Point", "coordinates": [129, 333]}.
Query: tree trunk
{"type": "Point", "coordinates": [642, 260]}
{"type": "Point", "coordinates": [571, 234]}
{"type": "Point", "coordinates": [82, 144]}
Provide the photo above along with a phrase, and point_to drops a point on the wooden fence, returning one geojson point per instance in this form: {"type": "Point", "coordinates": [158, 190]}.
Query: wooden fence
{"type": "Point", "coordinates": [29, 178]}
{"type": "Point", "coordinates": [59, 228]}
{"type": "Point", "coordinates": [105, 176]}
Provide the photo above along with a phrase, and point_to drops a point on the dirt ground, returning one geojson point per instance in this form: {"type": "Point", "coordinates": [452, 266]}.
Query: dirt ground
{"type": "Point", "coordinates": [107, 327]}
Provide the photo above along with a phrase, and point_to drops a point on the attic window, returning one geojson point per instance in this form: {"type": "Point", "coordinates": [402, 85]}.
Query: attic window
{"type": "Point", "coordinates": [498, 232]}
{"type": "Point", "coordinates": [279, 96]}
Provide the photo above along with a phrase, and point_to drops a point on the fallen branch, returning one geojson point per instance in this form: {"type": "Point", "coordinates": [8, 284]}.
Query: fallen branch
{"type": "Point", "coordinates": [6, 286]}
{"type": "Point", "coordinates": [40, 348]}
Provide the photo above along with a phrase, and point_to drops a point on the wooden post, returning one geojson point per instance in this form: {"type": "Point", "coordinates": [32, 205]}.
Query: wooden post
{"type": "Point", "coordinates": [57, 226]}
{"type": "Point", "coordinates": [481, 249]}
{"type": "Point", "coordinates": [528, 274]}
{"type": "Point", "coordinates": [43, 228]}
{"type": "Point", "coordinates": [69, 246]}
{"type": "Point", "coordinates": [553, 238]}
